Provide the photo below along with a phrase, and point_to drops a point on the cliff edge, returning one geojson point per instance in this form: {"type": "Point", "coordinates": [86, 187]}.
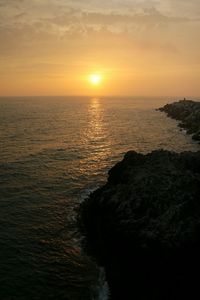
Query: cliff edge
{"type": "Point", "coordinates": [143, 226]}
{"type": "Point", "coordinates": [188, 113]}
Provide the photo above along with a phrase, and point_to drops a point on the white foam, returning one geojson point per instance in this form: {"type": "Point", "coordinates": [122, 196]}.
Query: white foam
{"type": "Point", "coordinates": [103, 286]}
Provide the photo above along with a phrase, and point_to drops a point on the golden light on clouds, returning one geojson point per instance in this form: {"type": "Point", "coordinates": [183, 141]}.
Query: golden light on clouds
{"type": "Point", "coordinates": [57, 47]}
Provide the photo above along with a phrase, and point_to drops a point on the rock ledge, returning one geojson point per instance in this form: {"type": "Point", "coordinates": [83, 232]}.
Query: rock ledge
{"type": "Point", "coordinates": [188, 112]}
{"type": "Point", "coordinates": [143, 226]}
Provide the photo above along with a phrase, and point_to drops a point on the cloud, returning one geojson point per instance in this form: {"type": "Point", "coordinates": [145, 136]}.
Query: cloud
{"type": "Point", "coordinates": [180, 8]}
{"type": "Point", "coordinates": [40, 28]}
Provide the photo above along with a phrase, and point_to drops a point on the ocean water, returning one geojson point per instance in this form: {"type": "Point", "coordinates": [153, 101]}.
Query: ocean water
{"type": "Point", "coordinates": [53, 152]}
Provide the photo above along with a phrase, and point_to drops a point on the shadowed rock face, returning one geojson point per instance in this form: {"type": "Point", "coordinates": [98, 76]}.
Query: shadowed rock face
{"type": "Point", "coordinates": [143, 226]}
{"type": "Point", "coordinates": [188, 112]}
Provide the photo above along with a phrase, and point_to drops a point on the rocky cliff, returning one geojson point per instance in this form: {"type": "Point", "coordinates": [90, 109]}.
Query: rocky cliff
{"type": "Point", "coordinates": [188, 113]}
{"type": "Point", "coordinates": [143, 226]}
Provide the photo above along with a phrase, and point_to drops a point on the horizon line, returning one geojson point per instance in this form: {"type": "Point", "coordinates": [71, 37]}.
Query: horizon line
{"type": "Point", "coordinates": [100, 96]}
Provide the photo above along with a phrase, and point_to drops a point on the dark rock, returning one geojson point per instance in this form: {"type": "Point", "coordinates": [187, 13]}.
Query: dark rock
{"type": "Point", "coordinates": [188, 112]}
{"type": "Point", "coordinates": [196, 136]}
{"type": "Point", "coordinates": [143, 226]}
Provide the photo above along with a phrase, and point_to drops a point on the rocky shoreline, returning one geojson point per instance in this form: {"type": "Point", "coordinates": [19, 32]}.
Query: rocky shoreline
{"type": "Point", "coordinates": [188, 113]}
{"type": "Point", "coordinates": [143, 226]}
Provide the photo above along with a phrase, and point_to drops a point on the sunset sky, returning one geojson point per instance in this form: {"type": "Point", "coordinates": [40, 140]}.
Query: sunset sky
{"type": "Point", "coordinates": [146, 48]}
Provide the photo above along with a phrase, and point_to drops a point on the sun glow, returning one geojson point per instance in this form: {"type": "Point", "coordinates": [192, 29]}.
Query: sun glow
{"type": "Point", "coordinates": [95, 79]}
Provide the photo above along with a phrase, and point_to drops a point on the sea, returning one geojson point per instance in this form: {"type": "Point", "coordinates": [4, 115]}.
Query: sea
{"type": "Point", "coordinates": [53, 152]}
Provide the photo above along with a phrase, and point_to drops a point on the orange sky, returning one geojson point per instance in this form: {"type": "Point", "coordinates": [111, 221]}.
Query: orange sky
{"type": "Point", "coordinates": [147, 48]}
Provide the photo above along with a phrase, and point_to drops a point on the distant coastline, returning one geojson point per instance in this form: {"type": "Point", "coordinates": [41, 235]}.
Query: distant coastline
{"type": "Point", "coordinates": [188, 113]}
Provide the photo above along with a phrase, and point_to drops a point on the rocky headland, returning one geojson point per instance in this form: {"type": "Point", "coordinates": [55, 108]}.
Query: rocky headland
{"type": "Point", "coordinates": [188, 113]}
{"type": "Point", "coordinates": [143, 226]}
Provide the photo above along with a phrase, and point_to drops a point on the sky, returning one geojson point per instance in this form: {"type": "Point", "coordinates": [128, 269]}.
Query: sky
{"type": "Point", "coordinates": [140, 48]}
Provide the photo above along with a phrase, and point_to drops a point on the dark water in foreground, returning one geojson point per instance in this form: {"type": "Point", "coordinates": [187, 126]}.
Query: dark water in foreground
{"type": "Point", "coordinates": [53, 151]}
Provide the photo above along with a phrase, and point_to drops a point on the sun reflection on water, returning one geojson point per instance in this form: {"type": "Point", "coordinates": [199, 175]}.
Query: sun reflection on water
{"type": "Point", "coordinates": [95, 130]}
{"type": "Point", "coordinates": [97, 136]}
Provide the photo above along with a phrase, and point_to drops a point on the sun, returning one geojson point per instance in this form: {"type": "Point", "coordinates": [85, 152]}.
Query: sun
{"type": "Point", "coordinates": [95, 79]}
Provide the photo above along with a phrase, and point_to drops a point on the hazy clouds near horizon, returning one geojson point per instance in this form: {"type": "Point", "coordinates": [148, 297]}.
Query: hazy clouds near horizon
{"type": "Point", "coordinates": [142, 47]}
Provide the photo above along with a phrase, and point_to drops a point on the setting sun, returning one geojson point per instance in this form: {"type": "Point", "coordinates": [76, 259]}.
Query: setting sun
{"type": "Point", "coordinates": [95, 79]}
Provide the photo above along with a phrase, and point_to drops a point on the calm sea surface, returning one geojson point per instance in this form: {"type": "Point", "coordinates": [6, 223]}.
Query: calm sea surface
{"type": "Point", "coordinates": [53, 151]}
